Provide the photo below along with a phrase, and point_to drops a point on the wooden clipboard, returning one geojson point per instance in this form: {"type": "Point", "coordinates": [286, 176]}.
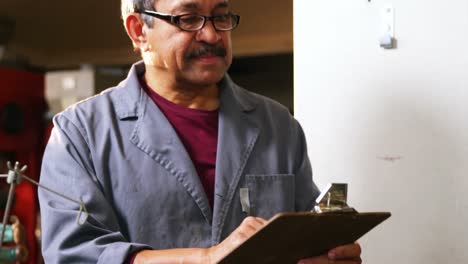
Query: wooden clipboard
{"type": "Point", "coordinates": [289, 237]}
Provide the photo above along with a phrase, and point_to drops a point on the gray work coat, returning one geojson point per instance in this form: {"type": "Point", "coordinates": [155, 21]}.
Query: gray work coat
{"type": "Point", "coordinates": [119, 155]}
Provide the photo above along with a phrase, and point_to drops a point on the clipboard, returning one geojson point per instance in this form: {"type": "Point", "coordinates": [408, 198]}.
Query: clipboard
{"type": "Point", "coordinates": [289, 237]}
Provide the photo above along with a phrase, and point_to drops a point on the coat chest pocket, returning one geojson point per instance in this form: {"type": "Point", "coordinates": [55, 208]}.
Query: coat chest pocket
{"type": "Point", "coordinates": [270, 194]}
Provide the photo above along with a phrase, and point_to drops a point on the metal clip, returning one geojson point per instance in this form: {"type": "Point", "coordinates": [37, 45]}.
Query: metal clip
{"type": "Point", "coordinates": [333, 199]}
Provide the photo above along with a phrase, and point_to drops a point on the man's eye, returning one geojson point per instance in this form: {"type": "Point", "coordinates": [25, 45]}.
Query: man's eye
{"type": "Point", "coordinates": [191, 19]}
{"type": "Point", "coordinates": [223, 17]}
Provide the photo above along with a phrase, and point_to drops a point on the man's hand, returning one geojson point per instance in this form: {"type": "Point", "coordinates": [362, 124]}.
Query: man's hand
{"type": "Point", "coordinates": [248, 227]}
{"type": "Point", "coordinates": [212, 255]}
{"type": "Point", "coordinates": [347, 254]}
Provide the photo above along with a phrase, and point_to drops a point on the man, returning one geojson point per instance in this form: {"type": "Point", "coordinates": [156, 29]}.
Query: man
{"type": "Point", "coordinates": [176, 164]}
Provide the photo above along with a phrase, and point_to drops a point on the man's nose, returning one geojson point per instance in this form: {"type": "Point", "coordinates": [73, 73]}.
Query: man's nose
{"type": "Point", "coordinates": [208, 33]}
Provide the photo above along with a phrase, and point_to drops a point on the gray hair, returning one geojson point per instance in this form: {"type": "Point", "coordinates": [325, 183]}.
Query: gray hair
{"type": "Point", "coordinates": [130, 6]}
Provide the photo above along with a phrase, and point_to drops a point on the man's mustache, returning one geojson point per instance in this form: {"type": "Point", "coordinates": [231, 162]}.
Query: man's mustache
{"type": "Point", "coordinates": [206, 49]}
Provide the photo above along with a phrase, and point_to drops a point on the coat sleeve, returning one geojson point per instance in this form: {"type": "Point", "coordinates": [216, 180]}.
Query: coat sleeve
{"type": "Point", "coordinates": [68, 168]}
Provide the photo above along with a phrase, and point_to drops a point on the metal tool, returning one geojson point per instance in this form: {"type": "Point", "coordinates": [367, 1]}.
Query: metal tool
{"type": "Point", "coordinates": [14, 177]}
{"type": "Point", "coordinates": [333, 199]}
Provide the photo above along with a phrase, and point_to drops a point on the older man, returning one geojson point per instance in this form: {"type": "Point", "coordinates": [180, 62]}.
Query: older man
{"type": "Point", "coordinates": [176, 164]}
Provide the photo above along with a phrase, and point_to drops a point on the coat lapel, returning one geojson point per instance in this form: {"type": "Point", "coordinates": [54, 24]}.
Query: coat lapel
{"type": "Point", "coordinates": [237, 136]}
{"type": "Point", "coordinates": [155, 136]}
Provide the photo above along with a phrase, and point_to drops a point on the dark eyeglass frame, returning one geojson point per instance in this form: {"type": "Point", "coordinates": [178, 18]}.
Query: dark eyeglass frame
{"type": "Point", "coordinates": [176, 19]}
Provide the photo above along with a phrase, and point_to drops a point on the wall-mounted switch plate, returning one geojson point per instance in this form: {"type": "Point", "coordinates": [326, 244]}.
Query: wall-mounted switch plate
{"type": "Point", "coordinates": [387, 37]}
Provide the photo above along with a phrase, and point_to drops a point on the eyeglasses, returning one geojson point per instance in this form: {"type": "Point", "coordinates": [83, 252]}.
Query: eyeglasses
{"type": "Point", "coordinates": [190, 22]}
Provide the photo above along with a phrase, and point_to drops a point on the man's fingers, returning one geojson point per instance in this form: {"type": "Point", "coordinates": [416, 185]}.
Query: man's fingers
{"type": "Point", "coordinates": [261, 221]}
{"type": "Point", "coordinates": [252, 223]}
{"type": "Point", "coordinates": [315, 260]}
{"type": "Point", "coordinates": [350, 251]}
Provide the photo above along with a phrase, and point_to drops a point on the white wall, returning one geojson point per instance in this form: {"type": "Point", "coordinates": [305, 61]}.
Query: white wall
{"type": "Point", "coordinates": [391, 123]}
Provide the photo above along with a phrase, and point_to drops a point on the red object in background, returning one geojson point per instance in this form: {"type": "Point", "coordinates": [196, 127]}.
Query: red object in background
{"type": "Point", "coordinates": [22, 125]}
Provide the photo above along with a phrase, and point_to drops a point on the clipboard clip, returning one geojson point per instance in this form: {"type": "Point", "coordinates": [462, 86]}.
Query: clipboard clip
{"type": "Point", "coordinates": [333, 199]}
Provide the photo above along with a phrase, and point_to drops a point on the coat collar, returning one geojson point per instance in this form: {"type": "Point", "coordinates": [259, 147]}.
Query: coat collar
{"type": "Point", "coordinates": [128, 94]}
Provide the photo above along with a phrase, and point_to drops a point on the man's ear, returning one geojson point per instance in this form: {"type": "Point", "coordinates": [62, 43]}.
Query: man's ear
{"type": "Point", "coordinates": [135, 30]}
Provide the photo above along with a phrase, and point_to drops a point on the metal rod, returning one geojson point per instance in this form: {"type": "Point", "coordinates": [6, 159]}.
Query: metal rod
{"type": "Point", "coordinates": [80, 203]}
{"type": "Point", "coordinates": [16, 179]}
{"type": "Point", "coordinates": [7, 210]}
{"type": "Point", "coordinates": [50, 190]}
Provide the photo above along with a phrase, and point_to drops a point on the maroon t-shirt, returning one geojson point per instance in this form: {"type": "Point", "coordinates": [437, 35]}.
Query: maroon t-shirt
{"type": "Point", "coordinates": [198, 131]}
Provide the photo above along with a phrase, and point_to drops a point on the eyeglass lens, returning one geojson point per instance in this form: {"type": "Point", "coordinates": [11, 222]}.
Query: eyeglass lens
{"type": "Point", "coordinates": [195, 22]}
